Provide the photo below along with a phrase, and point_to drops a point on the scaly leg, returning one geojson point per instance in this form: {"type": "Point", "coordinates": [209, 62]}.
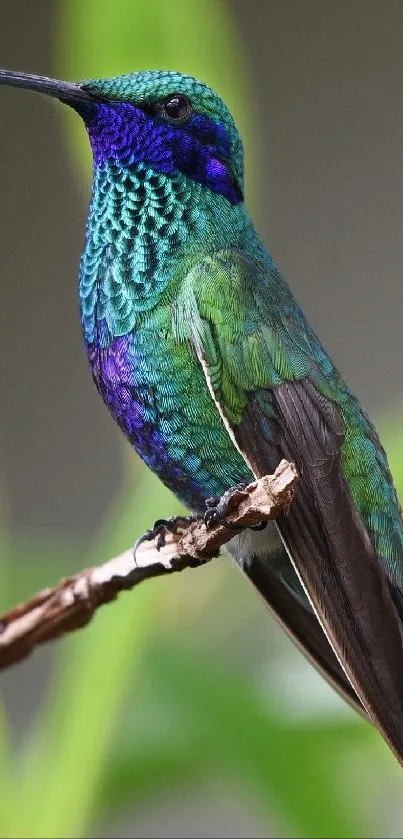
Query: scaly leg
{"type": "Point", "coordinates": [161, 527]}
{"type": "Point", "coordinates": [217, 509]}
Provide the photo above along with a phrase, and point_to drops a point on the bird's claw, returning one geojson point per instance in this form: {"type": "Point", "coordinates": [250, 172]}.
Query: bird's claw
{"type": "Point", "coordinates": [175, 524]}
{"type": "Point", "coordinates": [217, 509]}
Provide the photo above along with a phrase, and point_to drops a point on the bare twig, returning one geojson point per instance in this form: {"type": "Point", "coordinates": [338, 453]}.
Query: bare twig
{"type": "Point", "coordinates": [72, 603]}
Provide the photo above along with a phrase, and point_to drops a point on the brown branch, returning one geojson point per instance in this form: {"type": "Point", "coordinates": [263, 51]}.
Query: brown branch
{"type": "Point", "coordinates": [71, 604]}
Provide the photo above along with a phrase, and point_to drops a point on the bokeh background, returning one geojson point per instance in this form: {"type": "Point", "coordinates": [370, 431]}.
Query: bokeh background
{"type": "Point", "coordinates": [183, 710]}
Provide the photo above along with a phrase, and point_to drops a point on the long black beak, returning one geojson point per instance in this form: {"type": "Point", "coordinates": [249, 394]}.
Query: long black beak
{"type": "Point", "coordinates": [65, 91]}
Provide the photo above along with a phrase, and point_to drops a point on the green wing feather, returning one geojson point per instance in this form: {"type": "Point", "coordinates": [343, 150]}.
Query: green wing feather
{"type": "Point", "coordinates": [245, 324]}
{"type": "Point", "coordinates": [279, 394]}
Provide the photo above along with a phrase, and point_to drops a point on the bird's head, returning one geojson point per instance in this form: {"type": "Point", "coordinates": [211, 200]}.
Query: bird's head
{"type": "Point", "coordinates": [167, 120]}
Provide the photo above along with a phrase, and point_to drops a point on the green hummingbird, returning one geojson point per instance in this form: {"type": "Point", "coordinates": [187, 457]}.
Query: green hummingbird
{"type": "Point", "coordinates": [205, 359]}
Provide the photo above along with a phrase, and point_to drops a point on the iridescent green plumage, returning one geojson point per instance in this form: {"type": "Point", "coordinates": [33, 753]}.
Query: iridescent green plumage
{"type": "Point", "coordinates": [207, 362]}
{"type": "Point", "coordinates": [245, 323]}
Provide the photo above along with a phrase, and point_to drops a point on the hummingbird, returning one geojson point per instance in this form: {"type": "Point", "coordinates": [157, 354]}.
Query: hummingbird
{"type": "Point", "coordinates": [208, 364]}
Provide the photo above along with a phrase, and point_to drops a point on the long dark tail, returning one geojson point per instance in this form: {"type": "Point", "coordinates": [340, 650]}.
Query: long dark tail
{"type": "Point", "coordinates": [298, 620]}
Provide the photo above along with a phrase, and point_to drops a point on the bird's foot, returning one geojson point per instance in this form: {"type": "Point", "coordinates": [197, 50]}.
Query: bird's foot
{"type": "Point", "coordinates": [218, 507]}
{"type": "Point", "coordinates": [175, 525]}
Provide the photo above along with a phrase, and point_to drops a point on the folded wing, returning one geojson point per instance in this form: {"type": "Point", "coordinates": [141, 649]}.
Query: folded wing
{"type": "Point", "coordinates": [280, 396]}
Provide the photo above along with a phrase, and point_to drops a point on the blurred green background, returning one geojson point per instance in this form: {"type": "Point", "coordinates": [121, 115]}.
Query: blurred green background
{"type": "Point", "coordinates": [183, 710]}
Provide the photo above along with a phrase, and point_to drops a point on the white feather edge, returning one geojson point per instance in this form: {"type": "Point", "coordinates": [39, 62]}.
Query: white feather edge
{"type": "Point", "coordinates": [244, 456]}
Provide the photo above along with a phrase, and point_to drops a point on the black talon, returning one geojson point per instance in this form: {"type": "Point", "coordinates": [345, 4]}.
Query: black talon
{"type": "Point", "coordinates": [163, 526]}
{"type": "Point", "coordinates": [217, 509]}
{"type": "Point", "coordinates": [240, 487]}
{"type": "Point", "coordinates": [213, 516]}
{"type": "Point", "coordinates": [213, 501]}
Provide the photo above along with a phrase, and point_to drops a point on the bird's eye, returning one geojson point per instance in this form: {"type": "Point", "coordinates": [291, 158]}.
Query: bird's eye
{"type": "Point", "coordinates": [176, 107]}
